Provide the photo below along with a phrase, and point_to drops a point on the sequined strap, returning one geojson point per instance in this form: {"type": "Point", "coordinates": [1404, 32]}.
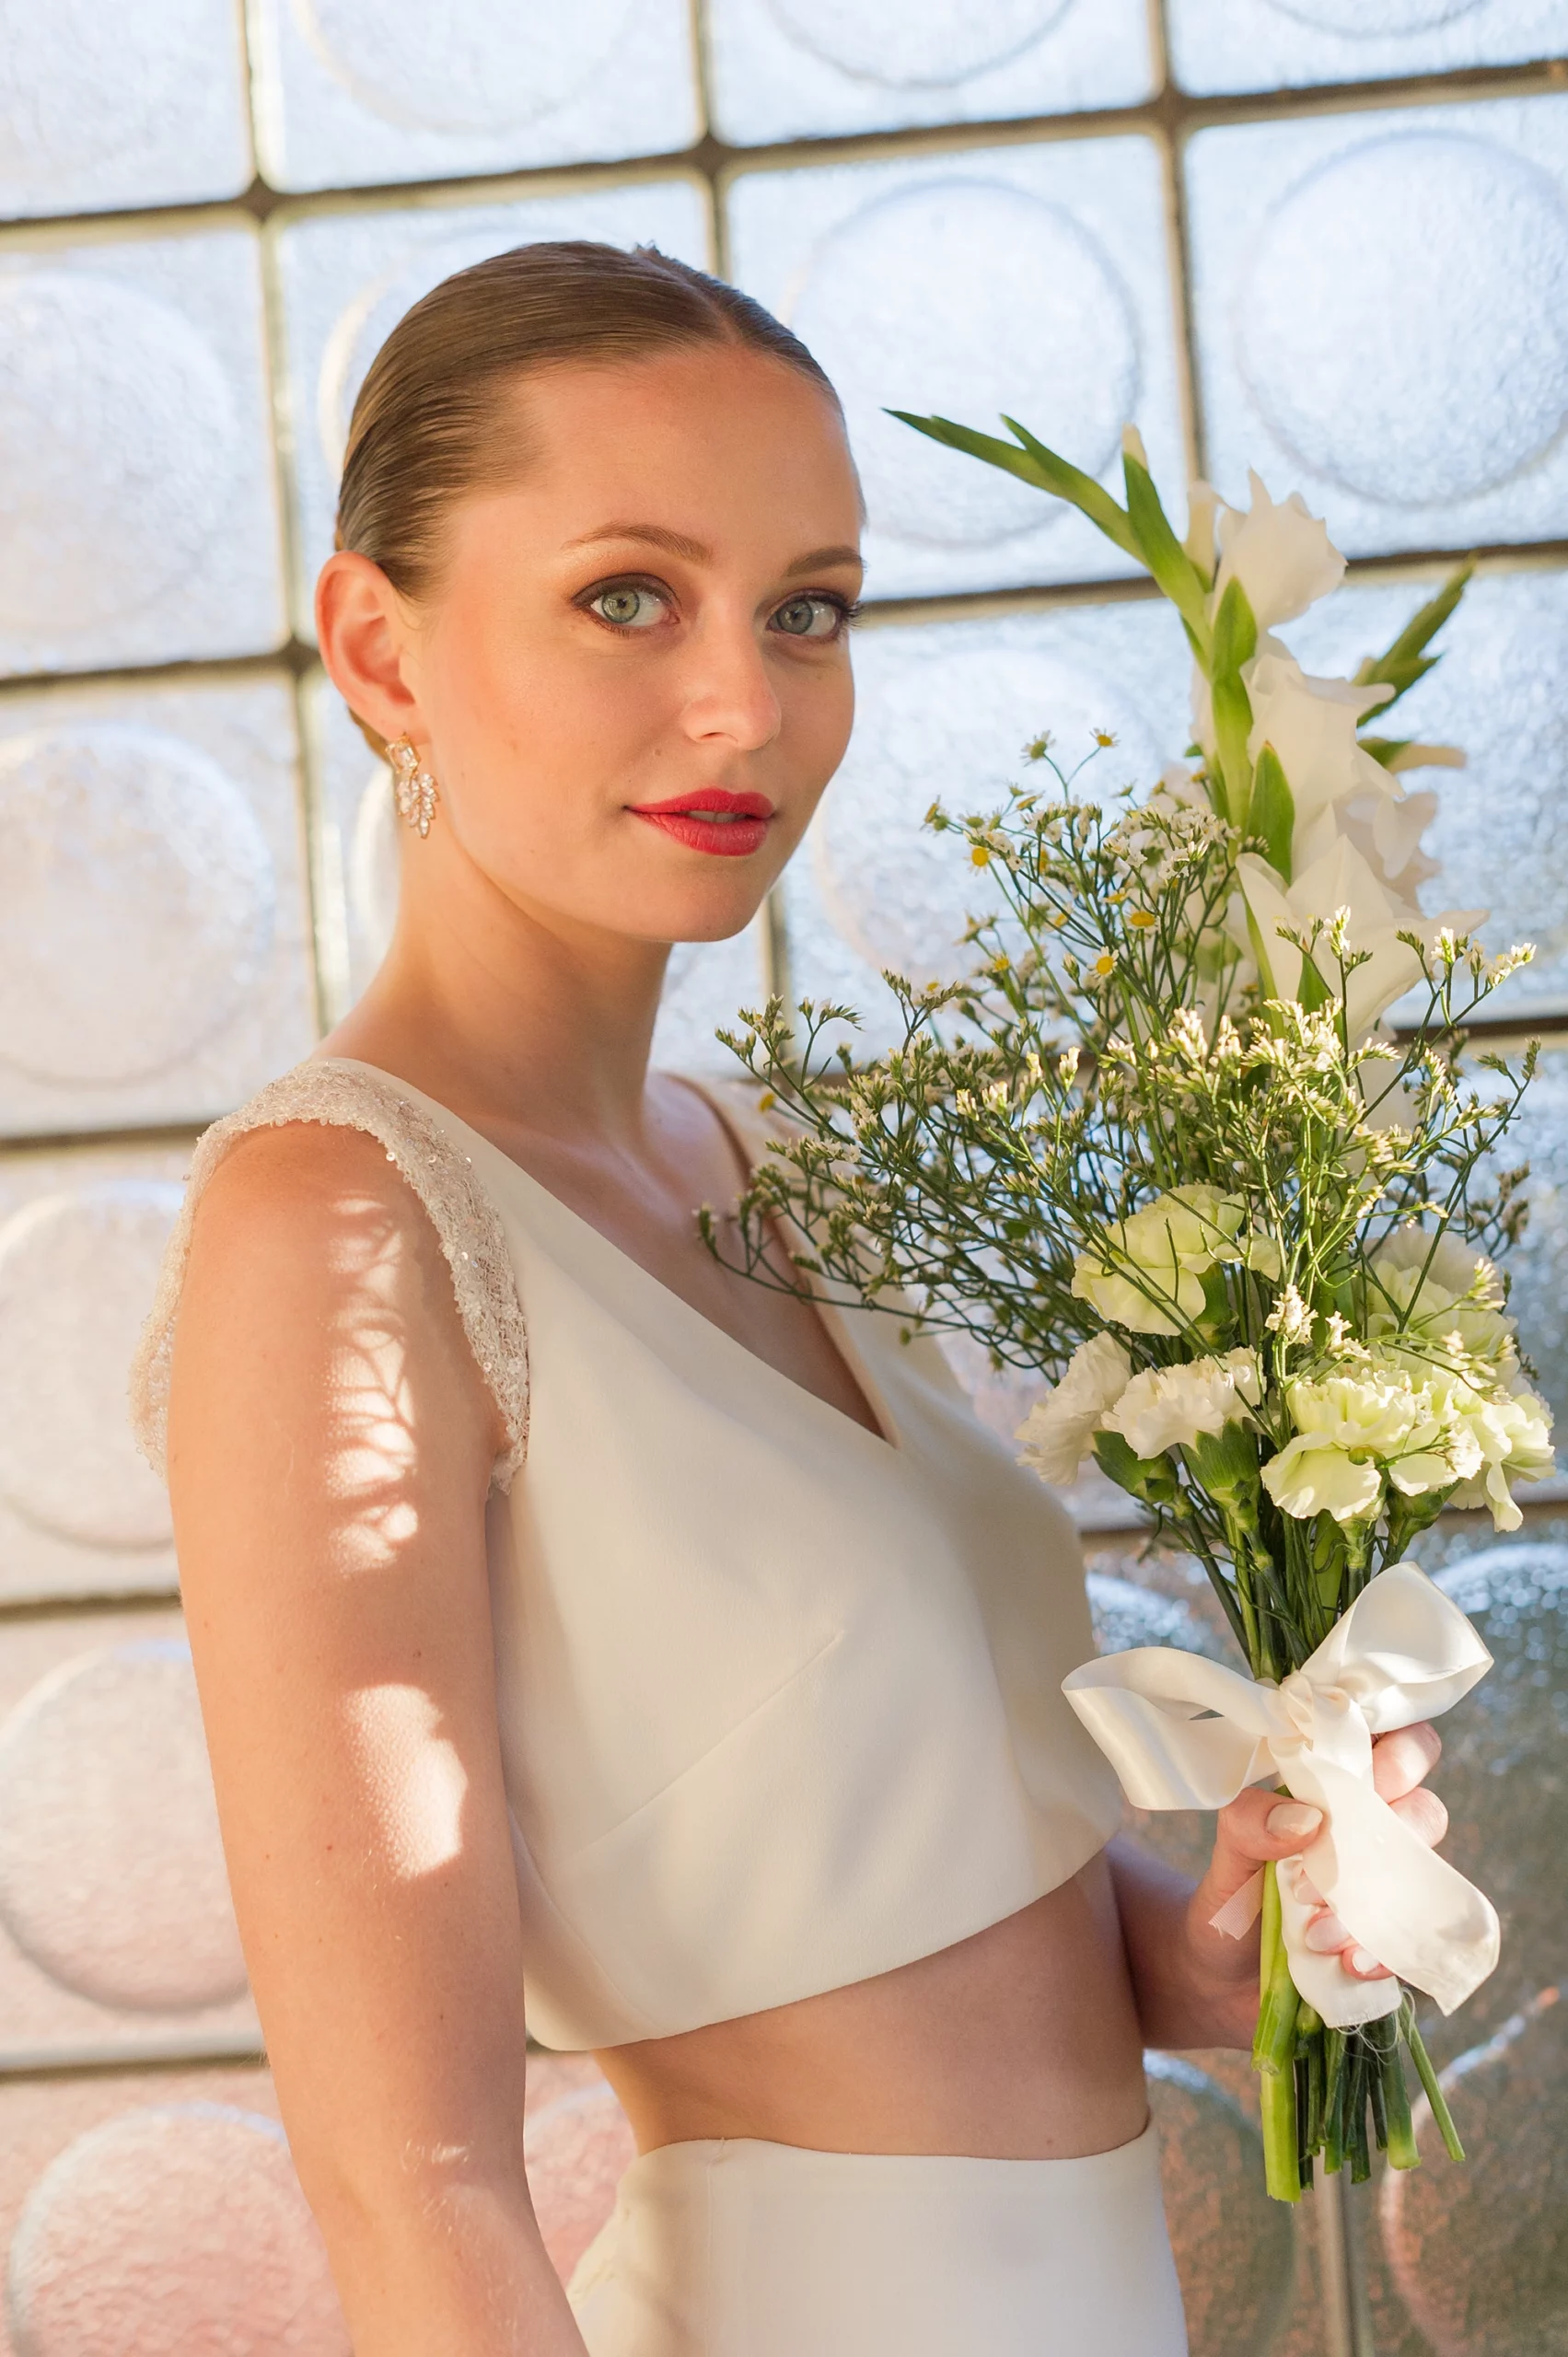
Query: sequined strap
{"type": "Point", "coordinates": [347, 1095]}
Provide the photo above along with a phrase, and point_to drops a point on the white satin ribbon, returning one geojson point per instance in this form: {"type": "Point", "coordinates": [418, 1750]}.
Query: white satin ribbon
{"type": "Point", "coordinates": [1186, 1733]}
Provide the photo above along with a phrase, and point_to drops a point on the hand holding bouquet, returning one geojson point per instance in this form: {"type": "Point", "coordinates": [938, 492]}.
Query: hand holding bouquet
{"type": "Point", "coordinates": [1154, 1145]}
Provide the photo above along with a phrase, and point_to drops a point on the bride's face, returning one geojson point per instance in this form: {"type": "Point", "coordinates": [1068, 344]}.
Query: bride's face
{"type": "Point", "coordinates": [633, 683]}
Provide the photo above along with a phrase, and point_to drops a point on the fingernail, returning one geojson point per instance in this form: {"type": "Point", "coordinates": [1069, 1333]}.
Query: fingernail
{"type": "Point", "coordinates": [1293, 1820]}
{"type": "Point", "coordinates": [1363, 1960]}
{"type": "Point", "coordinates": [1325, 1934]}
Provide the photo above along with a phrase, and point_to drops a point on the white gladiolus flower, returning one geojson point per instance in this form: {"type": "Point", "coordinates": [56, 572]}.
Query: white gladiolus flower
{"type": "Point", "coordinates": [1341, 878]}
{"type": "Point", "coordinates": [1058, 1432]}
{"type": "Point", "coordinates": [1168, 1406]}
{"type": "Point", "coordinates": [1152, 1265]}
{"type": "Point", "coordinates": [1311, 724]}
{"type": "Point", "coordinates": [1282, 556]}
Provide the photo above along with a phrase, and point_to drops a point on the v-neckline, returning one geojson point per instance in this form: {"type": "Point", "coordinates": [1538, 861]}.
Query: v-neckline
{"type": "Point", "coordinates": [886, 1435]}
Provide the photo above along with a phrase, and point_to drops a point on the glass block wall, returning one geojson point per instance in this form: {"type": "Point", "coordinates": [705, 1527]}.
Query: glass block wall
{"type": "Point", "coordinates": [1328, 238]}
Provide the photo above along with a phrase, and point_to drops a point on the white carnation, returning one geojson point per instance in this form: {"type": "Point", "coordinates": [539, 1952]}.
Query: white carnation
{"type": "Point", "coordinates": [1058, 1432]}
{"type": "Point", "coordinates": [1509, 1437]}
{"type": "Point", "coordinates": [1431, 1287]}
{"type": "Point", "coordinates": [1170, 1407]}
{"type": "Point", "coordinates": [1147, 1270]}
{"type": "Point", "coordinates": [1349, 1431]}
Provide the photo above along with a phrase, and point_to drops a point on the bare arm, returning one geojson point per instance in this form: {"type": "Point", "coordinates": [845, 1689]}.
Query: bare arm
{"type": "Point", "coordinates": [330, 1442]}
{"type": "Point", "coordinates": [1199, 1987]}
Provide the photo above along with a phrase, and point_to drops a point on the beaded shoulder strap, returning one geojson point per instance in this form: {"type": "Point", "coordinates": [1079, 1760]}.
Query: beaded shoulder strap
{"type": "Point", "coordinates": [466, 1222]}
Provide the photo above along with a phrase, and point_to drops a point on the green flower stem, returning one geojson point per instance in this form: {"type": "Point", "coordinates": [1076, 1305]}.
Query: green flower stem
{"type": "Point", "coordinates": [1334, 2101]}
{"type": "Point", "coordinates": [1274, 2052]}
{"type": "Point", "coordinates": [1428, 2077]}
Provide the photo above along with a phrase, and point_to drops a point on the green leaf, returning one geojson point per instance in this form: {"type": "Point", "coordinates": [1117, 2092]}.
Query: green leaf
{"type": "Point", "coordinates": [1272, 814]}
{"type": "Point", "coordinates": [1312, 992]}
{"type": "Point", "coordinates": [1163, 553]}
{"type": "Point", "coordinates": [1386, 749]}
{"type": "Point", "coordinates": [1234, 642]}
{"type": "Point", "coordinates": [1032, 463]}
{"type": "Point", "coordinates": [1406, 661]}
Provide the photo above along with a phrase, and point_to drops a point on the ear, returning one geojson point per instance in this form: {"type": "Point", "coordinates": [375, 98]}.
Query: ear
{"type": "Point", "coordinates": [366, 638]}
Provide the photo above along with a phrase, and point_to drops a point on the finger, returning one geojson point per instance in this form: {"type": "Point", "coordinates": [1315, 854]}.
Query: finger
{"type": "Point", "coordinates": [1256, 1826]}
{"type": "Point", "coordinates": [1326, 1935]}
{"type": "Point", "coordinates": [1425, 1815]}
{"type": "Point", "coordinates": [1402, 1761]}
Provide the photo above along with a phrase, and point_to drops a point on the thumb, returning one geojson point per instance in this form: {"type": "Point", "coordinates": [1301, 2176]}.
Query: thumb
{"type": "Point", "coordinates": [1256, 1826]}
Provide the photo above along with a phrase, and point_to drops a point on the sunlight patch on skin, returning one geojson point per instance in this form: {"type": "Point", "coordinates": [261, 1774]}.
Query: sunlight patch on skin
{"type": "Point", "coordinates": [413, 1776]}
{"type": "Point", "coordinates": [370, 1462]}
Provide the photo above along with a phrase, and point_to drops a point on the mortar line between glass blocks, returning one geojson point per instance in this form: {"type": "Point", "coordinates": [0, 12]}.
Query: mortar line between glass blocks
{"type": "Point", "coordinates": [718, 161]}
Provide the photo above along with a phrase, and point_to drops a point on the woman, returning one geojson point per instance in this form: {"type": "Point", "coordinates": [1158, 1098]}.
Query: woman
{"type": "Point", "coordinates": [572, 1616]}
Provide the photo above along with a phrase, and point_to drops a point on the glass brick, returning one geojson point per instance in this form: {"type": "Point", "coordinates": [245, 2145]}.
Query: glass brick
{"type": "Point", "coordinates": [1026, 279]}
{"type": "Point", "coordinates": [138, 512]}
{"type": "Point", "coordinates": [357, 93]}
{"type": "Point", "coordinates": [783, 69]}
{"type": "Point", "coordinates": [1289, 44]}
{"type": "Point", "coordinates": [81, 1236]}
{"type": "Point", "coordinates": [943, 711]}
{"type": "Point", "coordinates": [1501, 693]}
{"type": "Point", "coordinates": [155, 944]}
{"type": "Point", "coordinates": [358, 849]}
{"type": "Point", "coordinates": [1379, 320]}
{"type": "Point", "coordinates": [1538, 1262]}
{"type": "Point", "coordinates": [131, 1953]}
{"type": "Point", "coordinates": [150, 110]}
{"type": "Point", "coordinates": [347, 276]}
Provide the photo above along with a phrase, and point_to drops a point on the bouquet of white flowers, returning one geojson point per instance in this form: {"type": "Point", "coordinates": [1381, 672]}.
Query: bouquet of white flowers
{"type": "Point", "coordinates": [1156, 1146]}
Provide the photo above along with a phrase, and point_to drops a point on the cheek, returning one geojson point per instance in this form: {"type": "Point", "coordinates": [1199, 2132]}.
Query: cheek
{"type": "Point", "coordinates": [819, 717]}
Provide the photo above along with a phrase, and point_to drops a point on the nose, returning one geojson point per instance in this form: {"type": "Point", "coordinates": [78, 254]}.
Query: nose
{"type": "Point", "coordinates": [729, 695]}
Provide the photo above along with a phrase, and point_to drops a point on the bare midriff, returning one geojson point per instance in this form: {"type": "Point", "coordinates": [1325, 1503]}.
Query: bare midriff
{"type": "Point", "coordinates": [1020, 2043]}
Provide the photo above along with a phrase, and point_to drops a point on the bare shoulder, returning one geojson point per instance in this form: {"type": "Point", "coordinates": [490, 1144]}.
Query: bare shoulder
{"type": "Point", "coordinates": [307, 1243]}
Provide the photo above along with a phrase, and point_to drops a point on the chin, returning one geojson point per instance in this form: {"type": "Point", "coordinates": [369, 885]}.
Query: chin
{"type": "Point", "coordinates": [707, 910]}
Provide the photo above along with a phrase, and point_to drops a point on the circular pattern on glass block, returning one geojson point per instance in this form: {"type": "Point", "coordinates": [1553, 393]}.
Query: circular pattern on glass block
{"type": "Point", "coordinates": [1400, 325]}
{"type": "Point", "coordinates": [77, 1275]}
{"type": "Point", "coordinates": [1374, 19]}
{"type": "Point", "coordinates": [366, 322]}
{"type": "Point", "coordinates": [111, 1872]}
{"type": "Point", "coordinates": [177, 2230]}
{"type": "Point", "coordinates": [927, 46]}
{"type": "Point", "coordinates": [121, 451]}
{"type": "Point", "coordinates": [136, 903]}
{"type": "Point", "coordinates": [577, 2150]}
{"type": "Point", "coordinates": [1478, 2252]}
{"type": "Point", "coordinates": [1505, 1769]}
{"type": "Point", "coordinates": [1234, 2247]}
{"type": "Point", "coordinates": [967, 298]}
{"type": "Point", "coordinates": [945, 725]}
{"type": "Point", "coordinates": [483, 65]}
{"type": "Point", "coordinates": [60, 100]}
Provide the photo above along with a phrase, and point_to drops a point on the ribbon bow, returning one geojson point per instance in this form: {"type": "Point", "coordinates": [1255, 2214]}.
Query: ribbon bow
{"type": "Point", "coordinates": [1186, 1733]}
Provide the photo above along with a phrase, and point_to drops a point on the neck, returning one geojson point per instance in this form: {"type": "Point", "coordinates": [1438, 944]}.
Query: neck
{"type": "Point", "coordinates": [509, 1012]}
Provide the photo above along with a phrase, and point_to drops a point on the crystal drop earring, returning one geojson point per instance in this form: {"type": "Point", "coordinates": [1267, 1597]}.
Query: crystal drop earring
{"type": "Point", "coordinates": [417, 790]}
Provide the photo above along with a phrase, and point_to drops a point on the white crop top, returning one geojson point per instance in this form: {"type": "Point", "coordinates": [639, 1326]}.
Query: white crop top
{"type": "Point", "coordinates": [780, 1700]}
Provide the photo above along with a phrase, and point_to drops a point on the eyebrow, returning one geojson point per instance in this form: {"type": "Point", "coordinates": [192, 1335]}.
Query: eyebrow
{"type": "Point", "coordinates": [657, 536]}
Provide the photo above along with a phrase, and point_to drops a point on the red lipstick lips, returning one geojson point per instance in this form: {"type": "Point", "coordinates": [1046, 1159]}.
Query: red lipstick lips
{"type": "Point", "coordinates": [710, 818]}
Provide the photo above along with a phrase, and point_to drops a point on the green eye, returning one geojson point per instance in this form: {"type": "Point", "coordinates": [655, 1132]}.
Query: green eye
{"type": "Point", "coordinates": [809, 618]}
{"type": "Point", "coordinates": [627, 606]}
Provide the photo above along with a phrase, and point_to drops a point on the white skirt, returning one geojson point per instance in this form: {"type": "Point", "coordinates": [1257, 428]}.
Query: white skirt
{"type": "Point", "coordinates": [738, 2248]}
